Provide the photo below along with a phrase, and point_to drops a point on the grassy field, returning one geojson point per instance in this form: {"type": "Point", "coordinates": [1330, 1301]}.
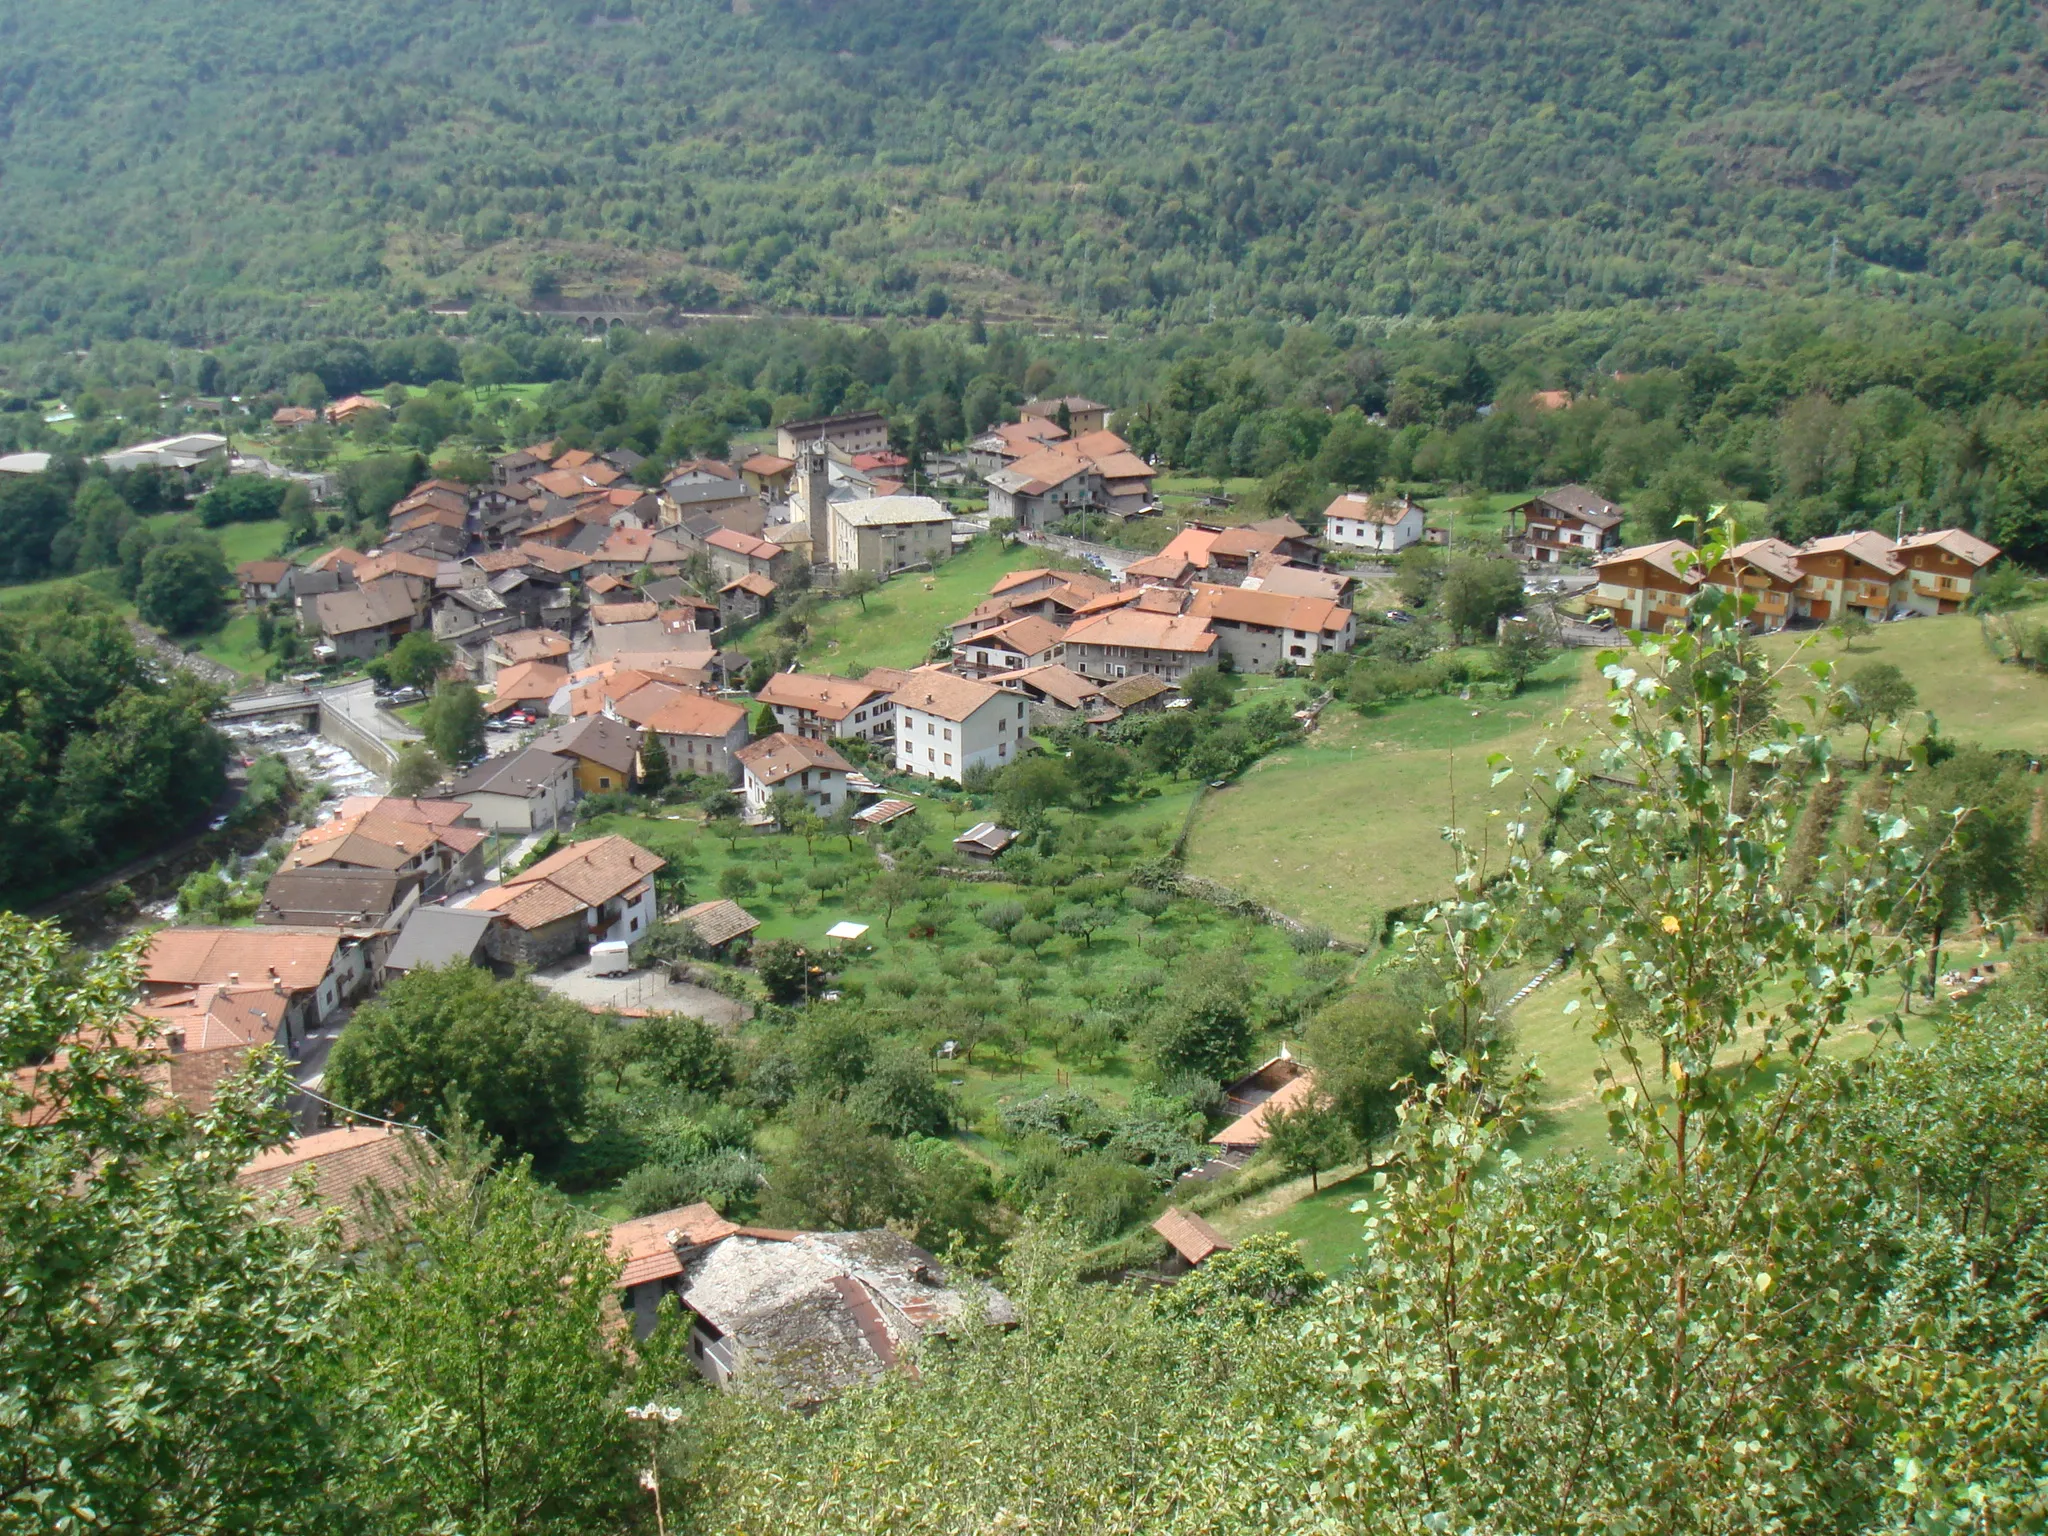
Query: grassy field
{"type": "Point", "coordinates": [1348, 824]}
{"type": "Point", "coordinates": [1975, 698]}
{"type": "Point", "coordinates": [903, 618]}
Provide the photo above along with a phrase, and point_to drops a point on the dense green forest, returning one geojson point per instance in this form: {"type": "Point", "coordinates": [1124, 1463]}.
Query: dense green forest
{"type": "Point", "coordinates": [193, 171]}
{"type": "Point", "coordinates": [100, 756]}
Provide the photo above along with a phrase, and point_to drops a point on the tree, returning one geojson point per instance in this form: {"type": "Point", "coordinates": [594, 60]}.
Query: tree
{"type": "Point", "coordinates": [1098, 772]}
{"type": "Point", "coordinates": [1308, 1137]}
{"type": "Point", "coordinates": [806, 824]}
{"type": "Point", "coordinates": [1000, 917]}
{"type": "Point", "coordinates": [735, 882]}
{"type": "Point", "coordinates": [1202, 1021]}
{"type": "Point", "coordinates": [417, 770]}
{"type": "Point", "coordinates": [182, 589]}
{"type": "Point", "coordinates": [1363, 1048]}
{"type": "Point", "coordinates": [784, 807]}
{"type": "Point", "coordinates": [1027, 790]}
{"type": "Point", "coordinates": [1242, 1290]}
{"type": "Point", "coordinates": [845, 822]}
{"type": "Point", "coordinates": [442, 1045]}
{"type": "Point", "coordinates": [1082, 921]}
{"type": "Point", "coordinates": [240, 499]}
{"type": "Point", "coordinates": [415, 661]}
{"type": "Point", "coordinates": [1974, 811]}
{"type": "Point", "coordinates": [479, 1382]}
{"type": "Point", "coordinates": [1168, 740]}
{"type": "Point", "coordinates": [1220, 752]}
{"type": "Point", "coordinates": [899, 1096]}
{"type": "Point", "coordinates": [893, 888]}
{"type": "Point", "coordinates": [1478, 592]}
{"type": "Point", "coordinates": [1521, 649]}
{"type": "Point", "coordinates": [784, 967]}
{"type": "Point", "coordinates": [656, 773]}
{"type": "Point", "coordinates": [859, 585]}
{"type": "Point", "coordinates": [837, 1175]}
{"type": "Point", "coordinates": [454, 723]}
{"type": "Point", "coordinates": [121, 1228]}
{"type": "Point", "coordinates": [1420, 571]}
{"type": "Point", "coordinates": [32, 512]}
{"type": "Point", "coordinates": [488, 367]}
{"type": "Point", "coordinates": [1209, 688]}
{"type": "Point", "coordinates": [1877, 694]}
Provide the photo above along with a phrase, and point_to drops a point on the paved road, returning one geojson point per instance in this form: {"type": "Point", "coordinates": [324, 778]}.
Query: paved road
{"type": "Point", "coordinates": [358, 703]}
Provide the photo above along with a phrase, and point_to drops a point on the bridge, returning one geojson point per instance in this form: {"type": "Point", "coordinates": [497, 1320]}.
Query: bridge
{"type": "Point", "coordinates": [280, 701]}
{"type": "Point", "coordinates": [346, 714]}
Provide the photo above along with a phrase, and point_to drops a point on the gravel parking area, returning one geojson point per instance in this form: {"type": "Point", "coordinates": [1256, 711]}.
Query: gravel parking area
{"type": "Point", "coordinates": [647, 990]}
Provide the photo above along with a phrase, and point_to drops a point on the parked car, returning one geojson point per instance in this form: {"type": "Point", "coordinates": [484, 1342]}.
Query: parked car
{"type": "Point", "coordinates": [405, 696]}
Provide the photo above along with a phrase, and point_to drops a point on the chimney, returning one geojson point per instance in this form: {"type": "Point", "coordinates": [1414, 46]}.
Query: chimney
{"type": "Point", "coordinates": [234, 978]}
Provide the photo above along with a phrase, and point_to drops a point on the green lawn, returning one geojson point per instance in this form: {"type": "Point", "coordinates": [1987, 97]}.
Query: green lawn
{"type": "Point", "coordinates": [1976, 699]}
{"type": "Point", "coordinates": [1479, 518]}
{"type": "Point", "coordinates": [238, 542]}
{"type": "Point", "coordinates": [100, 583]}
{"type": "Point", "coordinates": [904, 617]}
{"type": "Point", "coordinates": [234, 645]}
{"type": "Point", "coordinates": [1349, 824]}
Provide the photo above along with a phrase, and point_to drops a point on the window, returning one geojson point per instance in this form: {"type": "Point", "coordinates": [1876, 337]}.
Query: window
{"type": "Point", "coordinates": [949, 733]}
{"type": "Point", "coordinates": [930, 729]}
{"type": "Point", "coordinates": [635, 928]}
{"type": "Point", "coordinates": [1002, 749]}
{"type": "Point", "coordinates": [1003, 725]}
{"type": "Point", "coordinates": [949, 759]}
{"type": "Point", "coordinates": [603, 782]}
{"type": "Point", "coordinates": [928, 755]}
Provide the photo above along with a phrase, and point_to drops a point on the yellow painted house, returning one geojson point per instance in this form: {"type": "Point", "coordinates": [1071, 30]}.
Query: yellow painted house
{"type": "Point", "coordinates": [606, 752]}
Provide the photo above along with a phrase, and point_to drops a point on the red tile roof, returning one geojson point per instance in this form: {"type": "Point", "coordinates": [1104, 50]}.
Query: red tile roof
{"type": "Point", "coordinates": [1190, 1236]}
{"type": "Point", "coordinates": [775, 758]}
{"type": "Point", "coordinates": [581, 876]}
{"type": "Point", "coordinates": [190, 957]}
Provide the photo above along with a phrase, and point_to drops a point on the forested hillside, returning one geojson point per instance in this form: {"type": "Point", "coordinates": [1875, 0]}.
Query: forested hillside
{"type": "Point", "coordinates": [187, 169]}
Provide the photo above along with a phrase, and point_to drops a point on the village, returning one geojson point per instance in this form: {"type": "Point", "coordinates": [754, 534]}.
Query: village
{"type": "Point", "coordinates": [593, 615]}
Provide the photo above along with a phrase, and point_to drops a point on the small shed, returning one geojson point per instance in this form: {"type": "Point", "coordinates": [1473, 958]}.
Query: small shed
{"type": "Point", "coordinates": [718, 923]}
{"type": "Point", "coordinates": [984, 841]}
{"type": "Point", "coordinates": [882, 812]}
{"type": "Point", "coordinates": [1191, 1239]}
{"type": "Point", "coordinates": [436, 936]}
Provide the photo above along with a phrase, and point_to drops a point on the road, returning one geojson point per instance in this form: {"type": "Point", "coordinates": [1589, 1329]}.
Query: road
{"type": "Point", "coordinates": [357, 703]}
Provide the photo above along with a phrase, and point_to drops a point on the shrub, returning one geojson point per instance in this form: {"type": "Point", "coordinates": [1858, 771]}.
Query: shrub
{"type": "Point", "coordinates": [1002, 916]}
{"type": "Point", "coordinates": [1150, 902]}
{"type": "Point", "coordinates": [1102, 1195]}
